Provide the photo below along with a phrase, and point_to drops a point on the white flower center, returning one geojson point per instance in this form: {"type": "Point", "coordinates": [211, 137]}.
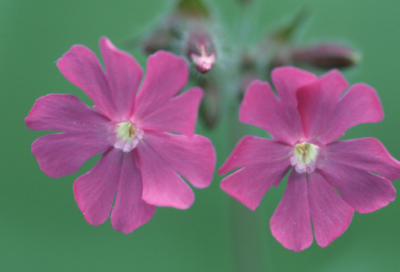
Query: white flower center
{"type": "Point", "coordinates": [127, 136]}
{"type": "Point", "coordinates": [304, 157]}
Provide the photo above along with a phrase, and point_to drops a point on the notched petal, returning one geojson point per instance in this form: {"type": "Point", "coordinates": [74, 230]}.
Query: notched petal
{"type": "Point", "coordinates": [291, 224]}
{"type": "Point", "coordinates": [261, 108]}
{"type": "Point", "coordinates": [82, 68]}
{"type": "Point", "coordinates": [166, 75]}
{"type": "Point", "coordinates": [124, 75]}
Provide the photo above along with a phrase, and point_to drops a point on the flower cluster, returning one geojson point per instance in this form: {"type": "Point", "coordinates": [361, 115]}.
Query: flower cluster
{"type": "Point", "coordinates": [145, 132]}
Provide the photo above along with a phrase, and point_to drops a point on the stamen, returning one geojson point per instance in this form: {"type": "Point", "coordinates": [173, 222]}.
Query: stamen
{"type": "Point", "coordinates": [127, 136]}
{"type": "Point", "coordinates": [301, 148]}
{"type": "Point", "coordinates": [132, 131]}
{"type": "Point", "coordinates": [304, 157]}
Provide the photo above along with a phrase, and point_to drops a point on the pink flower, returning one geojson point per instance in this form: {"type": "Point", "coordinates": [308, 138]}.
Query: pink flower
{"type": "Point", "coordinates": [141, 160]}
{"type": "Point", "coordinates": [309, 115]}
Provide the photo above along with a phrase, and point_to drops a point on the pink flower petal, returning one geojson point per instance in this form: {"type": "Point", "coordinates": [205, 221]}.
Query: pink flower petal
{"type": "Point", "coordinates": [260, 172]}
{"type": "Point", "coordinates": [290, 224]}
{"type": "Point", "coordinates": [329, 213]}
{"type": "Point", "coordinates": [178, 115]}
{"type": "Point", "coordinates": [162, 186]}
{"type": "Point", "coordinates": [254, 150]}
{"type": "Point", "coordinates": [124, 76]}
{"type": "Point", "coordinates": [82, 68]}
{"type": "Point", "coordinates": [362, 190]}
{"type": "Point", "coordinates": [317, 101]}
{"type": "Point", "coordinates": [287, 80]}
{"type": "Point", "coordinates": [94, 191]}
{"type": "Point", "coordinates": [166, 75]}
{"type": "Point", "coordinates": [359, 105]}
{"type": "Point", "coordinates": [261, 108]}
{"type": "Point", "coordinates": [65, 112]}
{"type": "Point", "coordinates": [368, 154]}
{"type": "Point", "coordinates": [192, 157]}
{"type": "Point", "coordinates": [249, 184]}
{"type": "Point", "coordinates": [62, 154]}
{"type": "Point", "coordinates": [130, 211]}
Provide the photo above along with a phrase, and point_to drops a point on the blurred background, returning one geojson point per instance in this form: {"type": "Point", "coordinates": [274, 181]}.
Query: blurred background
{"type": "Point", "coordinates": [41, 227]}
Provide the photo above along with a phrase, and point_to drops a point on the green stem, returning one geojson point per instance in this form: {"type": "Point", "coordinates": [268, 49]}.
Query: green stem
{"type": "Point", "coordinates": [246, 238]}
{"type": "Point", "coordinates": [247, 243]}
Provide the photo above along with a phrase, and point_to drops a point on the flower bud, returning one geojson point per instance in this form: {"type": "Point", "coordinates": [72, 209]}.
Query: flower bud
{"type": "Point", "coordinates": [200, 50]}
{"type": "Point", "coordinates": [164, 36]}
{"type": "Point", "coordinates": [245, 82]}
{"type": "Point", "coordinates": [247, 61]}
{"type": "Point", "coordinates": [326, 56]}
{"type": "Point", "coordinates": [280, 59]}
{"type": "Point", "coordinates": [160, 39]}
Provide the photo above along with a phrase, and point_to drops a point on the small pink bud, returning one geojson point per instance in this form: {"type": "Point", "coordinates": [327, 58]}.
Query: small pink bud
{"type": "Point", "coordinates": [326, 56]}
{"type": "Point", "coordinates": [201, 51]}
{"type": "Point", "coordinates": [204, 62]}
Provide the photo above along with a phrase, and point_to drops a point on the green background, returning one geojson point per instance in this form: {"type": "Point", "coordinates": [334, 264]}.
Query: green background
{"type": "Point", "coordinates": [41, 227]}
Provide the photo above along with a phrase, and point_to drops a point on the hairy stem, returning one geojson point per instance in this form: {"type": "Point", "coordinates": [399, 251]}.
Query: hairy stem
{"type": "Point", "coordinates": [247, 243]}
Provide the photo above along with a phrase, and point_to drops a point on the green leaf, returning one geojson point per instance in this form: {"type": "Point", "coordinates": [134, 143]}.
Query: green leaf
{"type": "Point", "coordinates": [287, 32]}
{"type": "Point", "coordinates": [193, 8]}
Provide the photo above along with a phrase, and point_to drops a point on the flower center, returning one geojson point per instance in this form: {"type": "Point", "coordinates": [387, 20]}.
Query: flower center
{"type": "Point", "coordinates": [127, 136]}
{"type": "Point", "coordinates": [304, 157]}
